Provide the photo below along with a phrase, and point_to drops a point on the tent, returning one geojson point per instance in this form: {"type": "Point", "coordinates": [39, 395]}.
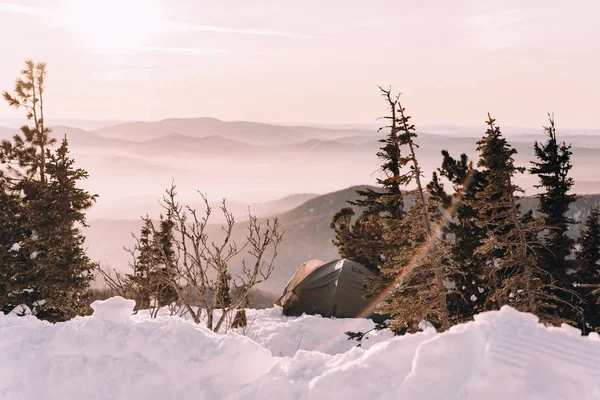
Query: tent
{"type": "Point", "coordinates": [332, 289]}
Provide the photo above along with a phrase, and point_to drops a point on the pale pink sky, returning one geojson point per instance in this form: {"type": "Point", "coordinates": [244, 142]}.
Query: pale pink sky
{"type": "Point", "coordinates": [316, 61]}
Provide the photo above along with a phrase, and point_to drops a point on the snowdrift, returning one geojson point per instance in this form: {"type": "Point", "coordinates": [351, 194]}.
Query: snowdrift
{"type": "Point", "coordinates": [113, 355]}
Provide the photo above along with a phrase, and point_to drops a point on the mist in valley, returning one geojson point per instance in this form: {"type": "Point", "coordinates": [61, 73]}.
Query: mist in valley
{"type": "Point", "coordinates": [263, 169]}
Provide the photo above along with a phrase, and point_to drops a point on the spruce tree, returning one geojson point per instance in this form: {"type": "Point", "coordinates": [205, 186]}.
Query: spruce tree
{"type": "Point", "coordinates": [415, 274]}
{"type": "Point", "coordinates": [552, 168]}
{"type": "Point", "coordinates": [588, 274]}
{"type": "Point", "coordinates": [361, 238]}
{"type": "Point", "coordinates": [144, 265]}
{"type": "Point", "coordinates": [14, 262]}
{"type": "Point", "coordinates": [23, 179]}
{"type": "Point", "coordinates": [49, 271]}
{"type": "Point", "coordinates": [417, 268]}
{"type": "Point", "coordinates": [469, 280]}
{"type": "Point", "coordinates": [154, 265]}
{"type": "Point", "coordinates": [163, 273]}
{"type": "Point", "coordinates": [511, 243]}
{"type": "Point", "coordinates": [223, 297]}
{"type": "Point", "coordinates": [164, 241]}
{"type": "Point", "coordinates": [67, 270]}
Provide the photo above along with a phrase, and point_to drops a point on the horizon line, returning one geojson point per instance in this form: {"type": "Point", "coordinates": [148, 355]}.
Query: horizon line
{"type": "Point", "coordinates": [334, 125]}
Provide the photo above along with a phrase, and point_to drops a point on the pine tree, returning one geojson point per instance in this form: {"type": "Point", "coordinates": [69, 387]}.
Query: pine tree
{"type": "Point", "coordinates": [13, 260]}
{"type": "Point", "coordinates": [164, 241]}
{"type": "Point", "coordinates": [154, 265]}
{"type": "Point", "coordinates": [59, 243]}
{"type": "Point", "coordinates": [415, 273]}
{"type": "Point", "coordinates": [417, 268]}
{"type": "Point", "coordinates": [23, 178]}
{"type": "Point", "coordinates": [49, 271]}
{"type": "Point", "coordinates": [361, 239]}
{"type": "Point", "coordinates": [469, 281]}
{"type": "Point", "coordinates": [163, 274]}
{"type": "Point", "coordinates": [223, 297]}
{"type": "Point", "coordinates": [588, 260]}
{"type": "Point", "coordinates": [552, 168]}
{"type": "Point", "coordinates": [144, 265]}
{"type": "Point", "coordinates": [511, 243]}
{"type": "Point", "coordinates": [389, 201]}
{"type": "Point", "coordinates": [27, 155]}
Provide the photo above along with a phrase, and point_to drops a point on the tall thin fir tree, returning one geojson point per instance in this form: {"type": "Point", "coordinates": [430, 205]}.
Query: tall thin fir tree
{"type": "Point", "coordinates": [26, 155]}
{"type": "Point", "coordinates": [417, 270]}
{"type": "Point", "coordinates": [552, 168]}
{"type": "Point", "coordinates": [163, 274]}
{"type": "Point", "coordinates": [144, 265]}
{"type": "Point", "coordinates": [588, 272]}
{"type": "Point", "coordinates": [360, 238]}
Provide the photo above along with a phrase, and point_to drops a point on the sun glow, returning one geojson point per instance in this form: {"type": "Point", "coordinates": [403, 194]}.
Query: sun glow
{"type": "Point", "coordinates": [113, 26]}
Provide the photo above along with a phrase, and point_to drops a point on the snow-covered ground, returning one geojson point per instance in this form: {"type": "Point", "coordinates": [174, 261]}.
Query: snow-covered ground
{"type": "Point", "coordinates": [113, 355]}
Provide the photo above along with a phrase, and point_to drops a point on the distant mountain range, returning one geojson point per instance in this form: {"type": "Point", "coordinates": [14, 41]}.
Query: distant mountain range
{"type": "Point", "coordinates": [130, 164]}
{"type": "Point", "coordinates": [247, 132]}
{"type": "Point", "coordinates": [256, 162]}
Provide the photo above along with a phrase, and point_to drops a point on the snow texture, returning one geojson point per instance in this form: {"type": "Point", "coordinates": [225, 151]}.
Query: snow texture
{"type": "Point", "coordinates": [113, 355]}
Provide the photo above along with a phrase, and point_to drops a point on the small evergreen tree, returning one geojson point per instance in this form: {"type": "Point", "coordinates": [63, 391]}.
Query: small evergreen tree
{"type": "Point", "coordinates": [144, 265]}
{"type": "Point", "coordinates": [164, 272]}
{"type": "Point", "coordinates": [153, 266]}
{"type": "Point", "coordinates": [588, 260]}
{"type": "Point", "coordinates": [223, 297]}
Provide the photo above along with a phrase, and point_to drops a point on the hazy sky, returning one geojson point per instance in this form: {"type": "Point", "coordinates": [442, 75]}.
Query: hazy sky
{"type": "Point", "coordinates": [316, 61]}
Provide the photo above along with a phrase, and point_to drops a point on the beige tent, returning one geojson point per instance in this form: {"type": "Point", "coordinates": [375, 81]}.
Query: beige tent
{"type": "Point", "coordinates": [332, 289]}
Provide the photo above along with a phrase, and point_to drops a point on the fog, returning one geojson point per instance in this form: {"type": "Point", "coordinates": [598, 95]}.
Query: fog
{"type": "Point", "coordinates": [267, 168]}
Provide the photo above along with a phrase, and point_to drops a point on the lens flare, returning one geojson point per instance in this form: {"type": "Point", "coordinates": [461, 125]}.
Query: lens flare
{"type": "Point", "coordinates": [421, 252]}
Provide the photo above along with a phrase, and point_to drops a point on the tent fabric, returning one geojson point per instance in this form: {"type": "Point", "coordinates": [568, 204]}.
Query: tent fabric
{"type": "Point", "coordinates": [333, 289]}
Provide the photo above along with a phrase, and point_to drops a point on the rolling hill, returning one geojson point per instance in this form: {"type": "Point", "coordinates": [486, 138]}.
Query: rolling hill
{"type": "Point", "coordinates": [247, 132]}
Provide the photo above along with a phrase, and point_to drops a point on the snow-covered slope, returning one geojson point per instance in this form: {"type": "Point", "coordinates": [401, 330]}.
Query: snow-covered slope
{"type": "Point", "coordinates": [112, 355]}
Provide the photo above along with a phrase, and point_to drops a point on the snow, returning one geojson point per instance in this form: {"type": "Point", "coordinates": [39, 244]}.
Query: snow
{"type": "Point", "coordinates": [15, 247]}
{"type": "Point", "coordinates": [21, 310]}
{"type": "Point", "coordinates": [113, 355]}
{"type": "Point", "coordinates": [284, 336]}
